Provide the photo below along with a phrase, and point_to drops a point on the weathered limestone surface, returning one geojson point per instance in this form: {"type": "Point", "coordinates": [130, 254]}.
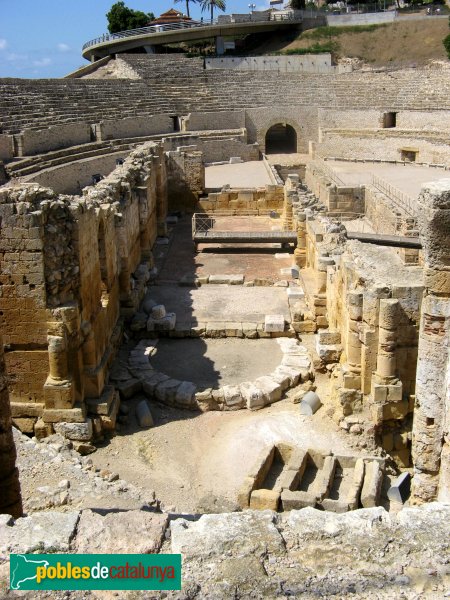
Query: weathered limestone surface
{"type": "Point", "coordinates": [432, 411]}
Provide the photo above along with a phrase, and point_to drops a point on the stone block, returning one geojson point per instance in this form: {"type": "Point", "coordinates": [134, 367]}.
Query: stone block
{"type": "Point", "coordinates": [143, 415]}
{"type": "Point", "coordinates": [25, 424]}
{"type": "Point", "coordinates": [298, 310]}
{"type": "Point", "coordinates": [329, 353]}
{"type": "Point", "coordinates": [127, 389]}
{"type": "Point", "coordinates": [296, 500]}
{"type": "Point", "coordinates": [274, 323]}
{"type": "Point", "coordinates": [291, 272]}
{"type": "Point", "coordinates": [109, 421]}
{"type": "Point", "coordinates": [158, 311]}
{"type": "Point", "coordinates": [185, 394]}
{"type": "Point", "coordinates": [297, 362]}
{"type": "Point", "coordinates": [233, 399]}
{"type": "Point", "coordinates": [70, 415]}
{"type": "Point", "coordinates": [244, 492]}
{"type": "Point", "coordinates": [233, 330]}
{"type": "Point", "coordinates": [282, 379]}
{"type": "Point", "coordinates": [264, 500]}
{"type": "Point", "coordinates": [293, 374]}
{"type": "Point", "coordinates": [252, 395]}
{"type": "Point", "coordinates": [166, 323]}
{"type": "Point", "coordinates": [307, 326]}
{"type": "Point", "coordinates": [295, 293]}
{"type": "Point", "coordinates": [270, 389]}
{"type": "Point", "coordinates": [327, 337]}
{"type": "Point", "coordinates": [395, 410]}
{"type": "Point", "coordinates": [100, 406]}
{"type": "Point", "coordinates": [400, 488]}
{"type": "Point", "coordinates": [166, 391]}
{"type": "Point", "coordinates": [151, 382]}
{"type": "Point", "coordinates": [373, 479]}
{"type": "Point", "coordinates": [216, 329]}
{"type": "Point", "coordinates": [250, 330]}
{"type": "Point", "coordinates": [81, 432]}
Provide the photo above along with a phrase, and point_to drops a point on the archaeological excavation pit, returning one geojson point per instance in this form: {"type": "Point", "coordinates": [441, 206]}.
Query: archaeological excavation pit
{"type": "Point", "coordinates": [212, 363]}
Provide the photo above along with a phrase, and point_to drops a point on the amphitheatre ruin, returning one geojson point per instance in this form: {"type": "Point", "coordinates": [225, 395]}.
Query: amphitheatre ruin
{"type": "Point", "coordinates": [225, 312]}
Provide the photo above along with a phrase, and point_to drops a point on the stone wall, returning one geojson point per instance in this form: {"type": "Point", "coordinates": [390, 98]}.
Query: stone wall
{"type": "Point", "coordinates": [216, 148]}
{"type": "Point", "coordinates": [221, 119]}
{"type": "Point", "coordinates": [431, 448]}
{"type": "Point", "coordinates": [10, 499]}
{"type": "Point", "coordinates": [315, 63]}
{"type": "Point", "coordinates": [302, 119]}
{"type": "Point", "coordinates": [6, 147]}
{"type": "Point", "coordinates": [185, 178]}
{"type": "Point", "coordinates": [134, 127]}
{"type": "Point", "coordinates": [385, 144]}
{"type": "Point", "coordinates": [32, 141]}
{"type": "Point", "coordinates": [72, 177]}
{"type": "Point", "coordinates": [71, 267]}
{"type": "Point", "coordinates": [241, 200]}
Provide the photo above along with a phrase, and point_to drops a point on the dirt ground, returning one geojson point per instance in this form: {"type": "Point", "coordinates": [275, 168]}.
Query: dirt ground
{"type": "Point", "coordinates": [216, 362]}
{"type": "Point", "coordinates": [396, 44]}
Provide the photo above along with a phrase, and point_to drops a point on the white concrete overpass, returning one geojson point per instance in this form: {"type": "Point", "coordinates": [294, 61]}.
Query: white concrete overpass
{"type": "Point", "coordinates": [149, 37]}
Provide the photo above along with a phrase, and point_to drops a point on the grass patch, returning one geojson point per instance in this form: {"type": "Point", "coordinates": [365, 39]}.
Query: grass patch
{"type": "Point", "coordinates": [330, 31]}
{"type": "Point", "coordinates": [327, 47]}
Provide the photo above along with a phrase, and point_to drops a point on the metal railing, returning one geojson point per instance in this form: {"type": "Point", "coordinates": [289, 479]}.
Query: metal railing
{"type": "Point", "coordinates": [402, 201]}
{"type": "Point", "coordinates": [320, 165]}
{"type": "Point", "coordinates": [152, 29]}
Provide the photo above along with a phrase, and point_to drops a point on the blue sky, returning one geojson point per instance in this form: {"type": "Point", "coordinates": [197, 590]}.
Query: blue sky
{"type": "Point", "coordinates": [43, 38]}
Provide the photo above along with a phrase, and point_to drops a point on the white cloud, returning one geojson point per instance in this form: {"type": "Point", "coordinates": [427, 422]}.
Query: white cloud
{"type": "Point", "coordinates": [3, 43]}
{"type": "Point", "coordinates": [44, 62]}
{"type": "Point", "coordinates": [13, 57]}
{"type": "Point", "coordinates": [63, 47]}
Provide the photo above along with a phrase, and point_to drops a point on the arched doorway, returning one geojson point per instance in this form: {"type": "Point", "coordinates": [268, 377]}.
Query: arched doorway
{"type": "Point", "coordinates": [281, 139]}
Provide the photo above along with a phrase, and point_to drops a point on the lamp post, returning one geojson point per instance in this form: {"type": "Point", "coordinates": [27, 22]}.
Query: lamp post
{"type": "Point", "coordinates": [252, 7]}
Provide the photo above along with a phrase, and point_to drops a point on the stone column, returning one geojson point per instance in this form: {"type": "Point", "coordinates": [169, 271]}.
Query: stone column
{"type": "Point", "coordinates": [10, 498]}
{"type": "Point", "coordinates": [387, 333]}
{"type": "Point", "coordinates": [57, 357]}
{"type": "Point", "coordinates": [300, 251]}
{"type": "Point", "coordinates": [431, 441]}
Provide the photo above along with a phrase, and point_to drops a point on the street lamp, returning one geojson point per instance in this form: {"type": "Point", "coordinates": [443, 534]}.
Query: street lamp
{"type": "Point", "coordinates": [252, 7]}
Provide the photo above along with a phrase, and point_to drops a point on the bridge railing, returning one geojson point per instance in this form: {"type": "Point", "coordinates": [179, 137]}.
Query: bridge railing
{"type": "Point", "coordinates": [152, 29]}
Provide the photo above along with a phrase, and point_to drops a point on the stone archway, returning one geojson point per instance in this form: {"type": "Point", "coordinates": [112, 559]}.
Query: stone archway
{"type": "Point", "coordinates": [281, 138]}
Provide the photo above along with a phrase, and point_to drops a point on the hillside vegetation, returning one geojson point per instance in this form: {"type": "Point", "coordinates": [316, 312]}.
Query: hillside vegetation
{"type": "Point", "coordinates": [404, 43]}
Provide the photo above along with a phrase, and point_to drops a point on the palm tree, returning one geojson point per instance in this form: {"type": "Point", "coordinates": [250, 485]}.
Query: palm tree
{"type": "Point", "coordinates": [187, 5]}
{"type": "Point", "coordinates": [211, 5]}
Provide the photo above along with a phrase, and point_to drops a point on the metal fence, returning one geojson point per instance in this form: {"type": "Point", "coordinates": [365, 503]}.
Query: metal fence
{"type": "Point", "coordinates": [402, 201]}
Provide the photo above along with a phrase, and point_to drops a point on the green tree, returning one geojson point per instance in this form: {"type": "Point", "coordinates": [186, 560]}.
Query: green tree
{"type": "Point", "coordinates": [211, 5]}
{"type": "Point", "coordinates": [298, 4]}
{"type": "Point", "coordinates": [187, 4]}
{"type": "Point", "coordinates": [121, 18]}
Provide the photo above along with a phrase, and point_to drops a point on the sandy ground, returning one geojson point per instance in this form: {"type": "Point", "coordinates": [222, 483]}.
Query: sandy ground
{"type": "Point", "coordinates": [197, 462]}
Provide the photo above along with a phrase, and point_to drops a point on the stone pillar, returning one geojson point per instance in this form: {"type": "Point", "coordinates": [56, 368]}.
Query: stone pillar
{"type": "Point", "coordinates": [57, 357]}
{"type": "Point", "coordinates": [387, 333]}
{"type": "Point", "coordinates": [386, 392]}
{"type": "Point", "coordinates": [300, 251]}
{"type": "Point", "coordinates": [431, 425]}
{"type": "Point", "coordinates": [10, 498]}
{"type": "Point", "coordinates": [289, 196]}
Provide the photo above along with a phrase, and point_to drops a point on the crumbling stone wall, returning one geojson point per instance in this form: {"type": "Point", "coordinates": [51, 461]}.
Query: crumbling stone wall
{"type": "Point", "coordinates": [271, 197]}
{"type": "Point", "coordinates": [185, 177]}
{"type": "Point", "coordinates": [71, 266]}
{"type": "Point", "coordinates": [10, 498]}
{"type": "Point", "coordinates": [431, 444]}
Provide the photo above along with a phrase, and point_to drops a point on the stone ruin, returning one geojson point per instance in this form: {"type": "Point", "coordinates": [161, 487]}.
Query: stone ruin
{"type": "Point", "coordinates": [77, 265]}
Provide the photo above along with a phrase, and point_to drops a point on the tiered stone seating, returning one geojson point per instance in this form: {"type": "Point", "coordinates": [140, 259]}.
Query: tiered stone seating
{"type": "Point", "coordinates": [178, 85]}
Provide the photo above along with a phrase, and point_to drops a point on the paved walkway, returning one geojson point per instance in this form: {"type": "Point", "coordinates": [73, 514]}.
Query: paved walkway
{"type": "Point", "coordinates": [241, 175]}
